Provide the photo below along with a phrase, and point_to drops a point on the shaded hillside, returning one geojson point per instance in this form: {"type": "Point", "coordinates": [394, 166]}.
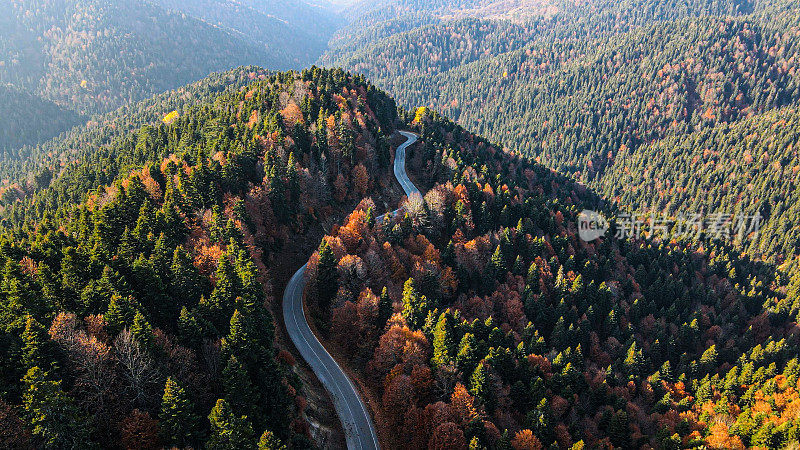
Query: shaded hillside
{"type": "Point", "coordinates": [137, 313]}
{"type": "Point", "coordinates": [582, 86]}
{"type": "Point", "coordinates": [292, 31]}
{"type": "Point", "coordinates": [31, 169]}
{"type": "Point", "coordinates": [98, 55]}
{"type": "Point", "coordinates": [482, 319]}
{"type": "Point", "coordinates": [30, 120]}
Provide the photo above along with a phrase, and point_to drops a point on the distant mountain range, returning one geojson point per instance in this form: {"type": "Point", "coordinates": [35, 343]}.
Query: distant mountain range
{"type": "Point", "coordinates": [90, 57]}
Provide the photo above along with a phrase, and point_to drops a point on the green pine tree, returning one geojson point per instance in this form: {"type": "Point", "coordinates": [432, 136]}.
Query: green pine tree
{"type": "Point", "coordinates": [467, 356]}
{"type": "Point", "coordinates": [36, 350]}
{"type": "Point", "coordinates": [222, 301]}
{"type": "Point", "coordinates": [634, 361]}
{"type": "Point", "coordinates": [178, 421]}
{"type": "Point", "coordinates": [709, 359]}
{"type": "Point", "coordinates": [120, 314]}
{"type": "Point", "coordinates": [519, 266]}
{"type": "Point", "coordinates": [497, 264]}
{"type": "Point", "coordinates": [252, 289]}
{"type": "Point", "coordinates": [238, 387]}
{"type": "Point", "coordinates": [415, 306]}
{"type": "Point", "coordinates": [443, 344]}
{"type": "Point", "coordinates": [51, 414]}
{"type": "Point", "coordinates": [143, 332]}
{"type": "Point", "coordinates": [327, 276]}
{"type": "Point", "coordinates": [184, 278]}
{"type": "Point", "coordinates": [385, 308]}
{"type": "Point", "coordinates": [479, 383]}
{"type": "Point", "coordinates": [190, 332]}
{"type": "Point", "coordinates": [228, 432]}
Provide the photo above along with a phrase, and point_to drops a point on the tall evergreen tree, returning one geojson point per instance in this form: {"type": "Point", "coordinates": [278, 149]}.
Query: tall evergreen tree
{"type": "Point", "coordinates": [120, 314]}
{"type": "Point", "coordinates": [251, 288]}
{"type": "Point", "coordinates": [269, 441]}
{"type": "Point", "coordinates": [36, 349]}
{"type": "Point", "coordinates": [222, 301]}
{"type": "Point", "coordinates": [385, 308]}
{"type": "Point", "coordinates": [497, 264]}
{"type": "Point", "coordinates": [239, 392]}
{"type": "Point", "coordinates": [415, 306]}
{"type": "Point", "coordinates": [229, 432]}
{"type": "Point", "coordinates": [184, 278]}
{"type": "Point", "coordinates": [190, 332]}
{"type": "Point", "coordinates": [143, 332]}
{"type": "Point", "coordinates": [479, 383]}
{"type": "Point", "coordinates": [467, 356]}
{"type": "Point", "coordinates": [444, 347]}
{"type": "Point", "coordinates": [52, 415]}
{"type": "Point", "coordinates": [178, 420]}
{"type": "Point", "coordinates": [634, 360]}
{"type": "Point", "coordinates": [327, 275]}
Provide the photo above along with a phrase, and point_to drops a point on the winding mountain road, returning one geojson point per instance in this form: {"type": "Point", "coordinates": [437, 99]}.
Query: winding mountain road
{"type": "Point", "coordinates": [356, 420]}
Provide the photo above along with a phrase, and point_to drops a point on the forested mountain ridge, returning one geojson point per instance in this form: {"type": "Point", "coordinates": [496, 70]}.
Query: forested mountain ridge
{"type": "Point", "coordinates": [482, 320]}
{"type": "Point", "coordinates": [97, 148]}
{"type": "Point", "coordinates": [141, 317]}
{"type": "Point", "coordinates": [95, 56]}
{"type": "Point", "coordinates": [134, 304]}
{"type": "Point", "coordinates": [98, 55]}
{"type": "Point", "coordinates": [141, 253]}
{"type": "Point", "coordinates": [578, 86]}
{"type": "Point", "coordinates": [746, 168]}
{"type": "Point", "coordinates": [372, 21]}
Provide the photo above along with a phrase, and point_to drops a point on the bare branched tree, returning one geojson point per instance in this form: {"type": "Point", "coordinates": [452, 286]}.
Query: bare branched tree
{"type": "Point", "coordinates": [139, 371]}
{"type": "Point", "coordinates": [418, 212]}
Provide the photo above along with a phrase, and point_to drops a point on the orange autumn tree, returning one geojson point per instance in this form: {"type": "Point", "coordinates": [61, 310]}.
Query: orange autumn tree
{"type": "Point", "coordinates": [525, 440]}
{"type": "Point", "coordinates": [720, 438]}
{"type": "Point", "coordinates": [292, 114]}
{"type": "Point", "coordinates": [360, 179]}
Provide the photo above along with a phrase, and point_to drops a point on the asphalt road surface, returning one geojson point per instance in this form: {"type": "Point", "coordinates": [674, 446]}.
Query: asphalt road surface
{"type": "Point", "coordinates": [356, 420]}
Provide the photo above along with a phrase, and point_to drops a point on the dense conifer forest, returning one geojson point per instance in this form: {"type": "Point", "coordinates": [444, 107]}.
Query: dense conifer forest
{"type": "Point", "coordinates": [140, 313]}
{"type": "Point", "coordinates": [595, 89]}
{"type": "Point", "coordinates": [484, 321]}
{"type": "Point", "coordinates": [147, 234]}
{"type": "Point", "coordinates": [34, 120]}
{"type": "Point", "coordinates": [134, 311]}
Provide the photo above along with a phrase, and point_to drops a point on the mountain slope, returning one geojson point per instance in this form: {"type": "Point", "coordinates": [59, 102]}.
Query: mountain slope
{"type": "Point", "coordinates": [97, 55]}
{"type": "Point", "coordinates": [746, 168]}
{"type": "Point", "coordinates": [295, 32]}
{"type": "Point", "coordinates": [98, 147]}
{"type": "Point", "coordinates": [369, 22]}
{"type": "Point", "coordinates": [144, 304]}
{"type": "Point", "coordinates": [480, 318]}
{"type": "Point", "coordinates": [478, 314]}
{"type": "Point", "coordinates": [30, 120]}
{"type": "Point", "coordinates": [577, 86]}
{"type": "Point", "coordinates": [91, 57]}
